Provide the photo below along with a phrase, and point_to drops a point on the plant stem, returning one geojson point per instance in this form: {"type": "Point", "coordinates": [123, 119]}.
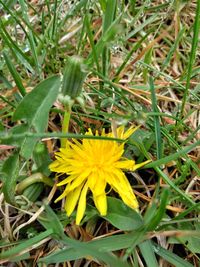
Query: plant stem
{"type": "Point", "coordinates": [34, 178]}
{"type": "Point", "coordinates": [65, 125]}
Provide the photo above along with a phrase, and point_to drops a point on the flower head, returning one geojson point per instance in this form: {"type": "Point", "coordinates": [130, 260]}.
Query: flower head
{"type": "Point", "coordinates": [91, 165]}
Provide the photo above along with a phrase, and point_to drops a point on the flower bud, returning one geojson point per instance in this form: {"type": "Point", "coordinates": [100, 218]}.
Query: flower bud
{"type": "Point", "coordinates": [74, 75]}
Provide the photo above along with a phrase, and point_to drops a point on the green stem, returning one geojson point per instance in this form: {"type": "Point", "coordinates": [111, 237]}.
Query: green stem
{"type": "Point", "coordinates": [34, 178]}
{"type": "Point", "coordinates": [5, 136]}
{"type": "Point", "coordinates": [65, 125]}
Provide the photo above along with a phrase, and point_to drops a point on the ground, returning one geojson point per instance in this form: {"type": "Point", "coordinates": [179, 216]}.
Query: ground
{"type": "Point", "coordinates": [67, 66]}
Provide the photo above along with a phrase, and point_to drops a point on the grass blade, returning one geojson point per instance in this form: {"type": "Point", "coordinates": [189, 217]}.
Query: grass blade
{"type": "Point", "coordinates": [156, 120]}
{"type": "Point", "coordinates": [148, 254]}
{"type": "Point", "coordinates": [175, 156]}
{"type": "Point", "coordinates": [24, 246]}
{"type": "Point", "coordinates": [171, 257]}
{"type": "Point", "coordinates": [192, 56]}
{"type": "Point", "coordinates": [15, 74]}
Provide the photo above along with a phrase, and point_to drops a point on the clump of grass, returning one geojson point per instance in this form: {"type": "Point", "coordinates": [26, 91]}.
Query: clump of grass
{"type": "Point", "coordinates": [142, 69]}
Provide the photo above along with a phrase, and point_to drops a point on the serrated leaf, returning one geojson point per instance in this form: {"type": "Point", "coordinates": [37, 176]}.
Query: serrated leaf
{"type": "Point", "coordinates": [122, 216]}
{"type": "Point", "coordinates": [34, 109]}
{"type": "Point", "coordinates": [9, 174]}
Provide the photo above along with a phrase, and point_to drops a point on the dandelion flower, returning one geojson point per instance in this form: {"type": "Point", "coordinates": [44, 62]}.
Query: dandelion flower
{"type": "Point", "coordinates": [91, 164]}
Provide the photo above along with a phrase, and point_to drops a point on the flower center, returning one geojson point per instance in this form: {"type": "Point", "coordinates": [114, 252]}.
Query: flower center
{"type": "Point", "coordinates": [96, 166]}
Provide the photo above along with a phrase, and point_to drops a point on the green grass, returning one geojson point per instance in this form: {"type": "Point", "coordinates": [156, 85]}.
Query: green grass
{"type": "Point", "coordinates": [141, 60]}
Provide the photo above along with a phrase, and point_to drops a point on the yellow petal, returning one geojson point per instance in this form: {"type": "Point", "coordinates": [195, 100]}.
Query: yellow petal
{"type": "Point", "coordinates": [63, 194]}
{"type": "Point", "coordinates": [54, 165]}
{"type": "Point", "coordinates": [130, 200]}
{"type": "Point", "coordinates": [125, 164]}
{"type": "Point", "coordinates": [121, 185]}
{"type": "Point", "coordinates": [77, 182]}
{"type": "Point", "coordinates": [81, 204]}
{"type": "Point", "coordinates": [97, 183]}
{"type": "Point", "coordinates": [137, 166]}
{"type": "Point", "coordinates": [130, 131]}
{"type": "Point", "coordinates": [89, 132]}
{"type": "Point", "coordinates": [79, 151]}
{"type": "Point", "coordinates": [72, 199]}
{"type": "Point", "coordinates": [100, 202]}
{"type": "Point", "coordinates": [120, 131]}
{"type": "Point", "coordinates": [92, 164]}
{"type": "Point", "coordinates": [119, 180]}
{"type": "Point", "coordinates": [103, 132]}
{"type": "Point", "coordinates": [67, 180]}
{"type": "Point", "coordinates": [77, 143]}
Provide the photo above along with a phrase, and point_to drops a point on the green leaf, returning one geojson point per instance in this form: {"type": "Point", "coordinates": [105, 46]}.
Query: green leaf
{"type": "Point", "coordinates": [9, 173]}
{"type": "Point", "coordinates": [10, 3]}
{"type": "Point", "coordinates": [35, 106]}
{"type": "Point", "coordinates": [177, 189]}
{"type": "Point", "coordinates": [96, 248]}
{"type": "Point", "coordinates": [193, 53]}
{"type": "Point", "coordinates": [14, 48]}
{"type": "Point", "coordinates": [171, 257]}
{"type": "Point", "coordinates": [67, 254]}
{"type": "Point", "coordinates": [108, 18]}
{"type": "Point", "coordinates": [192, 240]}
{"type": "Point", "coordinates": [14, 74]}
{"type": "Point", "coordinates": [105, 39]}
{"type": "Point", "coordinates": [150, 20]}
{"type": "Point", "coordinates": [42, 158]}
{"type": "Point", "coordinates": [148, 254]}
{"type": "Point", "coordinates": [117, 242]}
{"type": "Point", "coordinates": [150, 212]}
{"type": "Point", "coordinates": [18, 129]}
{"type": "Point", "coordinates": [84, 251]}
{"type": "Point", "coordinates": [122, 216]}
{"type": "Point", "coordinates": [158, 215]}
{"type": "Point", "coordinates": [181, 153]}
{"type": "Point", "coordinates": [21, 257]}
{"type": "Point", "coordinates": [103, 4]}
{"type": "Point", "coordinates": [50, 220]}
{"type": "Point", "coordinates": [156, 119]}
{"type": "Point", "coordinates": [34, 109]}
{"type": "Point", "coordinates": [25, 245]}
{"type": "Point", "coordinates": [173, 48]}
{"type": "Point", "coordinates": [27, 147]}
{"type": "Point", "coordinates": [109, 14]}
{"type": "Point", "coordinates": [75, 249]}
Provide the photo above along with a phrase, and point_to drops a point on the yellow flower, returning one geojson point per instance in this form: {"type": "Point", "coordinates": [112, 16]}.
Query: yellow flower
{"type": "Point", "coordinates": [91, 165]}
